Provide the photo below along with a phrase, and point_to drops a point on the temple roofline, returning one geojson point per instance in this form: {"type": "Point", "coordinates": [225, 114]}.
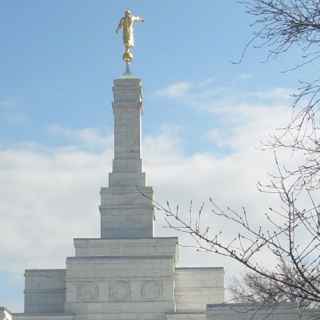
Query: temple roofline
{"type": "Point", "coordinates": [119, 239]}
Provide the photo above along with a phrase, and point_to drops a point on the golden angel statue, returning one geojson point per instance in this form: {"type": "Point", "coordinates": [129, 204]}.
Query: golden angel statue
{"type": "Point", "coordinates": [126, 24]}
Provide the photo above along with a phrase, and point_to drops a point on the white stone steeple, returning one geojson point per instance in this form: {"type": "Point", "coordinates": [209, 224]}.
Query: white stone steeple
{"type": "Point", "coordinates": [126, 273]}
{"type": "Point", "coordinates": [126, 206]}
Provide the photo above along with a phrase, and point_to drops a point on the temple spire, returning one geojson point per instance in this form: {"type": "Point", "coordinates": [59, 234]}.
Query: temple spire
{"type": "Point", "coordinates": [126, 205]}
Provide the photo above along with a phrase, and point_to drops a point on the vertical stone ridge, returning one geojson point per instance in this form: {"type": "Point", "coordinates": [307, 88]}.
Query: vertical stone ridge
{"type": "Point", "coordinates": [127, 105]}
{"type": "Point", "coordinates": [126, 206]}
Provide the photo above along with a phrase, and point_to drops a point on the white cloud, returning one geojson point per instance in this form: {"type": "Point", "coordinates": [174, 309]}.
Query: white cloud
{"type": "Point", "coordinates": [89, 137]}
{"type": "Point", "coordinates": [177, 89]}
{"type": "Point", "coordinates": [248, 126]}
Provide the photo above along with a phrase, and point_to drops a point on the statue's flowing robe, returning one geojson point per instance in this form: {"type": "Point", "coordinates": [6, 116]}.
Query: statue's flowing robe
{"type": "Point", "coordinates": [128, 35]}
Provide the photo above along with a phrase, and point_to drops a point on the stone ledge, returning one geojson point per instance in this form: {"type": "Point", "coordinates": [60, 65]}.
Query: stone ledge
{"type": "Point", "coordinates": [247, 307]}
{"type": "Point", "coordinates": [93, 258]}
{"type": "Point", "coordinates": [43, 316]}
{"type": "Point", "coordinates": [45, 270]}
{"type": "Point", "coordinates": [138, 206]}
{"type": "Point", "coordinates": [120, 307]}
{"type": "Point", "coordinates": [258, 311]}
{"type": "Point", "coordinates": [185, 312]}
{"type": "Point", "coordinates": [152, 247]}
{"type": "Point", "coordinates": [125, 189]}
{"type": "Point", "coordinates": [199, 268]}
{"type": "Point", "coordinates": [44, 291]}
{"type": "Point", "coordinates": [186, 315]}
{"type": "Point", "coordinates": [154, 238]}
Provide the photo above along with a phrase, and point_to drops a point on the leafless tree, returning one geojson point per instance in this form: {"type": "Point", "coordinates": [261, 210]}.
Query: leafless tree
{"type": "Point", "coordinates": [290, 235]}
{"type": "Point", "coordinates": [279, 26]}
{"type": "Point", "coordinates": [256, 289]}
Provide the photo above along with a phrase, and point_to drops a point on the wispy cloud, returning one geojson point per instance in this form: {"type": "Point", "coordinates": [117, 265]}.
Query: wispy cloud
{"type": "Point", "coordinates": [207, 93]}
{"type": "Point", "coordinates": [84, 137]}
{"type": "Point", "coordinates": [176, 89]}
{"type": "Point", "coordinates": [236, 113]}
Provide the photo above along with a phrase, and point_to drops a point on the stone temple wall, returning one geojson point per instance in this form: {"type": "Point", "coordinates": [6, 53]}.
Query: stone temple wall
{"type": "Point", "coordinates": [44, 291]}
{"type": "Point", "coordinates": [196, 287]}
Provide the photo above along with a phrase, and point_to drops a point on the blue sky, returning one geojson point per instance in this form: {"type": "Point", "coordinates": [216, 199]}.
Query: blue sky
{"type": "Point", "coordinates": [59, 60]}
{"type": "Point", "coordinates": [202, 112]}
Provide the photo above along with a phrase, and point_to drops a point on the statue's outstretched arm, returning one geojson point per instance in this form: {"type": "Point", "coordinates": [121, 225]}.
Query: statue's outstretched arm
{"type": "Point", "coordinates": [141, 19]}
{"type": "Point", "coordinates": [119, 25]}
